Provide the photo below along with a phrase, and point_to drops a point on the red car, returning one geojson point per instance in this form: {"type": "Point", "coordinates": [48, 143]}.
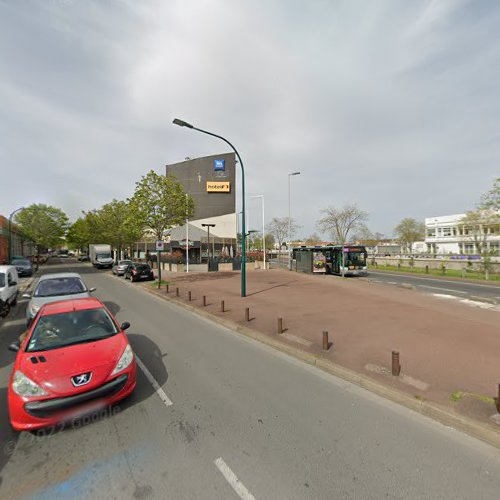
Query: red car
{"type": "Point", "coordinates": [75, 359]}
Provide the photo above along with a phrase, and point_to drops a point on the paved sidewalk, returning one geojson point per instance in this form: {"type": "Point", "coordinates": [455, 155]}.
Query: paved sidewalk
{"type": "Point", "coordinates": [449, 351]}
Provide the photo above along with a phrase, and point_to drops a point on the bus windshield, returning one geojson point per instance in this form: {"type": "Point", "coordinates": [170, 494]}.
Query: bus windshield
{"type": "Point", "coordinates": [354, 259]}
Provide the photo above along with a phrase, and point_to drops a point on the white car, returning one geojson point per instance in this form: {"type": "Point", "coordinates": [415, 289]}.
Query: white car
{"type": "Point", "coordinates": [53, 288]}
{"type": "Point", "coordinates": [8, 288]}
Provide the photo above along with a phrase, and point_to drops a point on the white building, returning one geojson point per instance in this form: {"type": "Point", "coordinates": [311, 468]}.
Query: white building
{"type": "Point", "coordinates": [446, 234]}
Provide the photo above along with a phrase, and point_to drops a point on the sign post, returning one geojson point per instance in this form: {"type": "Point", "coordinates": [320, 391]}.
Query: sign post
{"type": "Point", "coordinates": [160, 246]}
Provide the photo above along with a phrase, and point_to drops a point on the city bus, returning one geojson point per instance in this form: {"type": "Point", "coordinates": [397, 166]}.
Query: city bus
{"type": "Point", "coordinates": [346, 260]}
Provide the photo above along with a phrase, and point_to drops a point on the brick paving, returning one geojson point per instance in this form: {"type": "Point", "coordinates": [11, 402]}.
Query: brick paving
{"type": "Point", "coordinates": [446, 347]}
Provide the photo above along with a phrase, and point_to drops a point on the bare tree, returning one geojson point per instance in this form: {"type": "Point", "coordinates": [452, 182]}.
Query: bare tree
{"type": "Point", "coordinates": [408, 231]}
{"type": "Point", "coordinates": [278, 227]}
{"type": "Point", "coordinates": [339, 222]}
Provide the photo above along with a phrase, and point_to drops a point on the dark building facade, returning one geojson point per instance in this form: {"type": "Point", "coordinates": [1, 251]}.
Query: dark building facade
{"type": "Point", "coordinates": [211, 181]}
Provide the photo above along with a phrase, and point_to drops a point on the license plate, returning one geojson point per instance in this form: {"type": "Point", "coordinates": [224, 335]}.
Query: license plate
{"type": "Point", "coordinates": [145, 276]}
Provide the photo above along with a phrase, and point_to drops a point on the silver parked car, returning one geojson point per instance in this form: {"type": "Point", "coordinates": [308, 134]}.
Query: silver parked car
{"type": "Point", "coordinates": [119, 269]}
{"type": "Point", "coordinates": [55, 287]}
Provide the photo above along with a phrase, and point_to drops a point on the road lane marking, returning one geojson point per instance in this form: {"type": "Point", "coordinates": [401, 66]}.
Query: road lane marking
{"type": "Point", "coordinates": [440, 288]}
{"type": "Point", "coordinates": [161, 393]}
{"type": "Point", "coordinates": [233, 480]}
{"type": "Point", "coordinates": [467, 283]}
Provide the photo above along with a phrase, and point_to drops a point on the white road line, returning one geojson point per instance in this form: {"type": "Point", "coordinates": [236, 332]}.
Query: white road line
{"type": "Point", "coordinates": [233, 480]}
{"type": "Point", "coordinates": [466, 283]}
{"type": "Point", "coordinates": [440, 288]}
{"type": "Point", "coordinates": [161, 393]}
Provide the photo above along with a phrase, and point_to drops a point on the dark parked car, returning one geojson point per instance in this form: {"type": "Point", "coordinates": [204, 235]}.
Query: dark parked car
{"type": "Point", "coordinates": [23, 266]}
{"type": "Point", "coordinates": [138, 271]}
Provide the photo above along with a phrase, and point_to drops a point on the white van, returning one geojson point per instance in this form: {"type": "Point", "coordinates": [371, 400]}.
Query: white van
{"type": "Point", "coordinates": [8, 288]}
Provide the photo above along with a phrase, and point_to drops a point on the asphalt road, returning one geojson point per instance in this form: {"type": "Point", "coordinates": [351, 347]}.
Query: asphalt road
{"type": "Point", "coordinates": [462, 289]}
{"type": "Point", "coordinates": [233, 419]}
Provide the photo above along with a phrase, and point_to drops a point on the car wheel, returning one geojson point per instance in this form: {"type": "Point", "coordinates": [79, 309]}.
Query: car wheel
{"type": "Point", "coordinates": [5, 310]}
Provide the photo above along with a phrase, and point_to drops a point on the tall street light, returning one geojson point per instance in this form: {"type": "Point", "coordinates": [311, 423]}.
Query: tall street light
{"type": "Point", "coordinates": [187, 235]}
{"type": "Point", "coordinates": [290, 221]}
{"type": "Point", "coordinates": [261, 196]}
{"type": "Point", "coordinates": [182, 123]}
{"type": "Point", "coordinates": [208, 226]}
{"type": "Point", "coordinates": [9, 257]}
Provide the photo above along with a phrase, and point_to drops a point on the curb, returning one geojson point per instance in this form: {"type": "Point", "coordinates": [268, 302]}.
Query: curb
{"type": "Point", "coordinates": [479, 430]}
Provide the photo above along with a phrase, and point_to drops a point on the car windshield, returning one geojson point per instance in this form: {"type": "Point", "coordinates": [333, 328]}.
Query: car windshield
{"type": "Point", "coordinates": [54, 287]}
{"type": "Point", "coordinates": [2, 280]}
{"type": "Point", "coordinates": [104, 255]}
{"type": "Point", "coordinates": [71, 328]}
{"type": "Point", "coordinates": [124, 262]}
{"type": "Point", "coordinates": [142, 267]}
{"type": "Point", "coordinates": [20, 262]}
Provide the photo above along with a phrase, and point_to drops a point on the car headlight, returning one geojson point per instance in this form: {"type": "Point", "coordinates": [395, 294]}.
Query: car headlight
{"type": "Point", "coordinates": [23, 386]}
{"type": "Point", "coordinates": [125, 360]}
{"type": "Point", "coordinates": [34, 309]}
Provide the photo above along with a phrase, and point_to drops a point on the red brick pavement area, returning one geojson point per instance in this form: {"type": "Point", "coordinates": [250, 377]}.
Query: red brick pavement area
{"type": "Point", "coordinates": [446, 347]}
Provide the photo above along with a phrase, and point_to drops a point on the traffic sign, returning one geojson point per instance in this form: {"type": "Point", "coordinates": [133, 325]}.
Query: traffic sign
{"type": "Point", "coordinates": [160, 246]}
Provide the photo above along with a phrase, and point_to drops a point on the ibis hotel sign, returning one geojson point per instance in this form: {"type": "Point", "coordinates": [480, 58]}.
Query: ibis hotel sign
{"type": "Point", "coordinates": [218, 187]}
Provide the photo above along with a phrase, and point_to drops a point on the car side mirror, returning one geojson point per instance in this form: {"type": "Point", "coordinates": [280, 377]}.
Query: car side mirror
{"type": "Point", "coordinates": [26, 295]}
{"type": "Point", "coordinates": [93, 289]}
{"type": "Point", "coordinates": [15, 346]}
{"type": "Point", "coordinates": [125, 325]}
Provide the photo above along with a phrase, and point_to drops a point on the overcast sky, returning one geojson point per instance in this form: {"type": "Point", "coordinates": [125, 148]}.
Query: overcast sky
{"type": "Point", "coordinates": [392, 105]}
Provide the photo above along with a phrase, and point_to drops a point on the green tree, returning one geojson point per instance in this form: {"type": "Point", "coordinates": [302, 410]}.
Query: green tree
{"type": "Point", "coordinates": [43, 224]}
{"type": "Point", "coordinates": [408, 231]}
{"type": "Point", "coordinates": [78, 236]}
{"type": "Point", "coordinates": [119, 225]}
{"type": "Point", "coordinates": [491, 200]}
{"type": "Point", "coordinates": [160, 203]}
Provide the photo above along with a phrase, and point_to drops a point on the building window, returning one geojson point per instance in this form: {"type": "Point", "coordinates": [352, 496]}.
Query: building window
{"type": "Point", "coordinates": [446, 231]}
{"type": "Point", "coordinates": [469, 248]}
{"type": "Point", "coordinates": [431, 233]}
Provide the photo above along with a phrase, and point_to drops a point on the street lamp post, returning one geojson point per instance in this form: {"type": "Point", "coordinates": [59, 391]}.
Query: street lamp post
{"type": "Point", "coordinates": [9, 256]}
{"type": "Point", "coordinates": [182, 123]}
{"type": "Point", "coordinates": [208, 226]}
{"type": "Point", "coordinates": [261, 196]}
{"type": "Point", "coordinates": [187, 235]}
{"type": "Point", "coordinates": [290, 221]}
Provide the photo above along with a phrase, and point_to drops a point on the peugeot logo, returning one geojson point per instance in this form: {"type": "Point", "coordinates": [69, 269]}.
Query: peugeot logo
{"type": "Point", "coordinates": [82, 379]}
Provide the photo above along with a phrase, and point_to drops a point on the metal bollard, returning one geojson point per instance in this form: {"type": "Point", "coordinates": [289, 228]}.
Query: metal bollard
{"type": "Point", "coordinates": [396, 366]}
{"type": "Point", "coordinates": [497, 400]}
{"type": "Point", "coordinates": [204, 300]}
{"type": "Point", "coordinates": [222, 306]}
{"type": "Point", "coordinates": [326, 345]}
{"type": "Point", "coordinates": [247, 314]}
{"type": "Point", "coordinates": [167, 288]}
{"type": "Point", "coordinates": [189, 296]}
{"type": "Point", "coordinates": [280, 325]}
{"type": "Point", "coordinates": [177, 291]}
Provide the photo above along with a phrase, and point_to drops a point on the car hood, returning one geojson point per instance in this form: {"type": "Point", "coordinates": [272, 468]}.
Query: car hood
{"type": "Point", "coordinates": [40, 301]}
{"type": "Point", "coordinates": [54, 374]}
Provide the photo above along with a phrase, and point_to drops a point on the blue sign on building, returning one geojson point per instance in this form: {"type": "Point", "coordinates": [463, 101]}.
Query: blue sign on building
{"type": "Point", "coordinates": [219, 165]}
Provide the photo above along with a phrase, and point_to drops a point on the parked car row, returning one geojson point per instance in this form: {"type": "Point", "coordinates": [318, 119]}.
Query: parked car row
{"type": "Point", "coordinates": [134, 271]}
